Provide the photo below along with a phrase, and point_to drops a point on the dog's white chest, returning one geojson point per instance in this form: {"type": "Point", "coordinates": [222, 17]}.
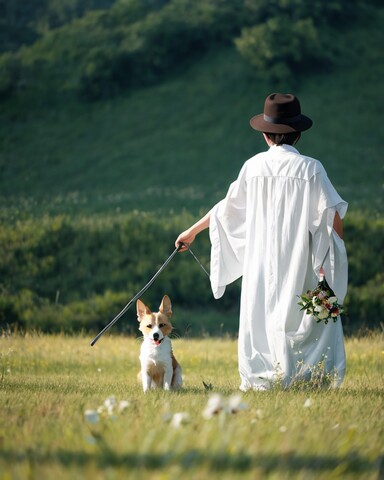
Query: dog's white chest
{"type": "Point", "coordinates": [156, 354]}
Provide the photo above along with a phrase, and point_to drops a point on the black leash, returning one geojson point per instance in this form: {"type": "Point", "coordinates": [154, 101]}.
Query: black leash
{"type": "Point", "coordinates": [198, 261]}
{"type": "Point", "coordinates": [144, 289]}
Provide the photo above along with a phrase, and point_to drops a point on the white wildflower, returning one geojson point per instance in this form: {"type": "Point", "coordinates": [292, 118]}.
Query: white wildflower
{"type": "Point", "coordinates": [123, 405]}
{"type": "Point", "coordinates": [283, 429]}
{"type": "Point", "coordinates": [91, 416]}
{"type": "Point", "coordinates": [235, 404]}
{"type": "Point", "coordinates": [110, 404]}
{"type": "Point", "coordinates": [215, 404]}
{"type": "Point", "coordinates": [308, 403]}
{"type": "Point", "coordinates": [179, 419]}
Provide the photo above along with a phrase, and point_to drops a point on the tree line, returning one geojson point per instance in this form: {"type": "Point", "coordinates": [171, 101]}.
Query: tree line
{"type": "Point", "coordinates": [67, 274]}
{"type": "Point", "coordinates": [99, 48]}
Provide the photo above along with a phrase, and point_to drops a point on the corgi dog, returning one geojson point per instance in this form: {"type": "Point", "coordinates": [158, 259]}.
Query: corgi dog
{"type": "Point", "coordinates": [159, 367]}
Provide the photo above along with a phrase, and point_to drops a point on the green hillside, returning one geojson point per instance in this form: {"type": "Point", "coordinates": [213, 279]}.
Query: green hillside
{"type": "Point", "coordinates": [180, 143]}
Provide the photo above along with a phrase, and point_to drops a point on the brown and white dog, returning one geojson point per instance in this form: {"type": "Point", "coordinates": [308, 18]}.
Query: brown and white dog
{"type": "Point", "coordinates": [159, 367]}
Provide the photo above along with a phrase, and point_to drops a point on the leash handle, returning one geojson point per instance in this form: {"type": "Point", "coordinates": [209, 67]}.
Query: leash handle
{"type": "Point", "coordinates": [129, 304]}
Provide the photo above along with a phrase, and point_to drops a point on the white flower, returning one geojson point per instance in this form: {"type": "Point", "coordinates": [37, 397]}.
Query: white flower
{"type": "Point", "coordinates": [110, 401]}
{"type": "Point", "coordinates": [283, 429]}
{"type": "Point", "coordinates": [110, 404]}
{"type": "Point", "coordinates": [179, 419]}
{"type": "Point", "coordinates": [308, 403]}
{"type": "Point", "coordinates": [332, 300]}
{"type": "Point", "coordinates": [215, 404]}
{"type": "Point", "coordinates": [235, 404]}
{"type": "Point", "coordinates": [319, 309]}
{"type": "Point", "coordinates": [91, 416]}
{"type": "Point", "coordinates": [324, 314]}
{"type": "Point", "coordinates": [123, 405]}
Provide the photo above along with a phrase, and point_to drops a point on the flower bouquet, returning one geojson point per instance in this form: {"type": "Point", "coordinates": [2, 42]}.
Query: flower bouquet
{"type": "Point", "coordinates": [321, 302]}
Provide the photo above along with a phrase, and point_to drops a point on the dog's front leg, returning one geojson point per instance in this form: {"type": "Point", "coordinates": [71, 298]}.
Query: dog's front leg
{"type": "Point", "coordinates": [146, 380]}
{"type": "Point", "coordinates": [168, 373]}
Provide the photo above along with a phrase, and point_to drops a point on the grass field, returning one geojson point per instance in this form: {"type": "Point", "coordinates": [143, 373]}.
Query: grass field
{"type": "Point", "coordinates": [48, 383]}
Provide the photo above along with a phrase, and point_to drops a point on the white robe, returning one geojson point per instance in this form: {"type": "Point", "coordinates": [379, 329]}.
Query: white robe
{"type": "Point", "coordinates": [275, 229]}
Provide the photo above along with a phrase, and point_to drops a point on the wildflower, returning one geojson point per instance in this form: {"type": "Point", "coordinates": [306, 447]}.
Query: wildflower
{"type": "Point", "coordinates": [215, 404]}
{"type": "Point", "coordinates": [235, 404]}
{"type": "Point", "coordinates": [110, 404]}
{"type": "Point", "coordinates": [179, 419]}
{"type": "Point", "coordinates": [123, 405]}
{"type": "Point", "coordinates": [283, 429]}
{"type": "Point", "coordinates": [91, 416]}
{"type": "Point", "coordinates": [308, 403]}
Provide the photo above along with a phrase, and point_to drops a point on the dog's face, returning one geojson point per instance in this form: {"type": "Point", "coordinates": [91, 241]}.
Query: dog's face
{"type": "Point", "coordinates": [155, 326]}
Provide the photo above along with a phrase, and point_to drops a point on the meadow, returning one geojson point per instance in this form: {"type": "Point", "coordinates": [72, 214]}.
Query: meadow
{"type": "Point", "coordinates": [50, 387]}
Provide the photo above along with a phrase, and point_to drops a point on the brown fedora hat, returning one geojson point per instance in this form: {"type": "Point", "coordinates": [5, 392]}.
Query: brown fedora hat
{"type": "Point", "coordinates": [282, 114]}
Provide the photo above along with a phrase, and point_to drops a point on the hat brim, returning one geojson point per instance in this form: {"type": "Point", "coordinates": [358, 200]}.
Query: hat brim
{"type": "Point", "coordinates": [259, 123]}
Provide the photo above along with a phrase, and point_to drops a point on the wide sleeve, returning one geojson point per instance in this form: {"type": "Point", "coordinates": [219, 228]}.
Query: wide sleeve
{"type": "Point", "coordinates": [227, 232]}
{"type": "Point", "coordinates": [328, 249]}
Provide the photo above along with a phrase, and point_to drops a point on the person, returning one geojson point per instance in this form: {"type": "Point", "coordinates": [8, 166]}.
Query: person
{"type": "Point", "coordinates": [278, 227]}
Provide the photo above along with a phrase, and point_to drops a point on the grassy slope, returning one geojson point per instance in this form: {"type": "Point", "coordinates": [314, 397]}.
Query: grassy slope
{"type": "Point", "coordinates": [48, 382]}
{"type": "Point", "coordinates": [179, 144]}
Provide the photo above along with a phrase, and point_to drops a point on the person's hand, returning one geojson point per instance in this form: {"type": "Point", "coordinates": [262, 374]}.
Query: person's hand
{"type": "Point", "coordinates": [186, 238]}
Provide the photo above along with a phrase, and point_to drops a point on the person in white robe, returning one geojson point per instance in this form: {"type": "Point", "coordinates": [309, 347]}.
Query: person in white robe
{"type": "Point", "coordinates": [279, 227]}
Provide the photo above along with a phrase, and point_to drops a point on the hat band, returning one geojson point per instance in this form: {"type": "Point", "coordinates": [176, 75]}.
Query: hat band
{"type": "Point", "coordinates": [284, 121]}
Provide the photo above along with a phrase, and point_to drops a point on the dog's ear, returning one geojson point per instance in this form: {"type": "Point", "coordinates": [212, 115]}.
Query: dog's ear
{"type": "Point", "coordinates": [142, 310]}
{"type": "Point", "coordinates": [166, 306]}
